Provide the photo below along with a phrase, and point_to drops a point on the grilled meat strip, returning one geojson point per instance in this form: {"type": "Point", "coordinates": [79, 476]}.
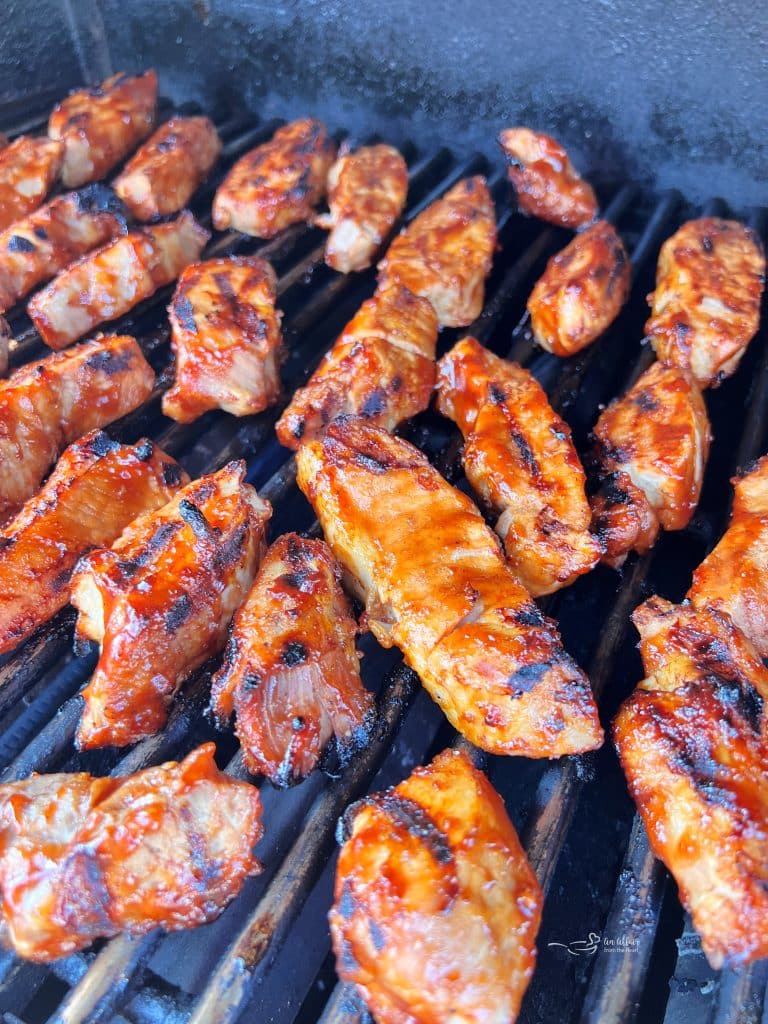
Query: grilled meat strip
{"type": "Point", "coordinates": [519, 457]}
{"type": "Point", "coordinates": [381, 368]}
{"type": "Point", "coordinates": [581, 292]}
{"type": "Point", "coordinates": [29, 169]}
{"type": "Point", "coordinates": [435, 583]}
{"type": "Point", "coordinates": [96, 489]}
{"type": "Point", "coordinates": [105, 284]}
{"type": "Point", "coordinates": [547, 184]}
{"type": "Point", "coordinates": [278, 183]}
{"type": "Point", "coordinates": [706, 306]}
{"type": "Point", "coordinates": [159, 601]}
{"type": "Point", "coordinates": [100, 126]}
{"type": "Point", "coordinates": [436, 906]}
{"type": "Point", "coordinates": [693, 741]}
{"type": "Point", "coordinates": [45, 406]}
{"type": "Point", "coordinates": [732, 579]}
{"type": "Point", "coordinates": [36, 248]}
{"type": "Point", "coordinates": [164, 174]}
{"type": "Point", "coordinates": [445, 254]}
{"type": "Point", "coordinates": [291, 673]}
{"type": "Point", "coordinates": [83, 857]}
{"type": "Point", "coordinates": [367, 190]}
{"type": "Point", "coordinates": [226, 337]}
{"type": "Point", "coordinates": [651, 447]}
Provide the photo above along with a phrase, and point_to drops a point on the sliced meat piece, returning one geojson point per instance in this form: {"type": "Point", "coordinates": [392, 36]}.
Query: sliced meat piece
{"type": "Point", "coordinates": [83, 858]}
{"type": "Point", "coordinates": [693, 742]}
{"type": "Point", "coordinates": [160, 600]}
{"type": "Point", "coordinates": [29, 168]}
{"type": "Point", "coordinates": [36, 248]}
{"type": "Point", "coordinates": [278, 183]}
{"type": "Point", "coordinates": [706, 306]}
{"type": "Point", "coordinates": [581, 292]}
{"type": "Point", "coordinates": [733, 579]}
{"type": "Point", "coordinates": [45, 406]}
{"type": "Point", "coordinates": [519, 457]}
{"type": "Point", "coordinates": [161, 178]}
{"type": "Point", "coordinates": [651, 447]}
{"type": "Point", "coordinates": [367, 190]}
{"type": "Point", "coordinates": [97, 488]}
{"type": "Point", "coordinates": [446, 253]}
{"type": "Point", "coordinates": [547, 184]}
{"type": "Point", "coordinates": [108, 283]}
{"type": "Point", "coordinates": [679, 642]}
{"type": "Point", "coordinates": [226, 338]}
{"type": "Point", "coordinates": [381, 368]}
{"type": "Point", "coordinates": [291, 673]}
{"type": "Point", "coordinates": [436, 907]}
{"type": "Point", "coordinates": [435, 583]}
{"type": "Point", "coordinates": [101, 125]}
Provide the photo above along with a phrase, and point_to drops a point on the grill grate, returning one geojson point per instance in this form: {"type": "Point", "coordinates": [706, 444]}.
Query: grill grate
{"type": "Point", "coordinates": [269, 951]}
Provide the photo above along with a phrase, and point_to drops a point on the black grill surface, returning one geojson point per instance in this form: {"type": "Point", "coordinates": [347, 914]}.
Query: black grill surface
{"type": "Point", "coordinates": [268, 956]}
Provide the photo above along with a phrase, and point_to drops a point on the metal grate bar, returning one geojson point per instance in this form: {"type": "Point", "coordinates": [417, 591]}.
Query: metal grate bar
{"type": "Point", "coordinates": [618, 978]}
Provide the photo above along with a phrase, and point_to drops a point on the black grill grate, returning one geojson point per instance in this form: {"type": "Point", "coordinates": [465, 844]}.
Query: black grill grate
{"type": "Point", "coordinates": [269, 952]}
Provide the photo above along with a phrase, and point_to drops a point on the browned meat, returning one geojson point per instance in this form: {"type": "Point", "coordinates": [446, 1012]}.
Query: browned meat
{"type": "Point", "coordinates": [29, 169]}
{"type": "Point", "coordinates": [278, 183]}
{"type": "Point", "coordinates": [445, 254]}
{"type": "Point", "coordinates": [164, 174]}
{"type": "Point", "coordinates": [693, 740]}
{"type": "Point", "coordinates": [366, 194]}
{"type": "Point", "coordinates": [226, 337]}
{"type": "Point", "coordinates": [547, 184]}
{"type": "Point", "coordinates": [291, 673]}
{"type": "Point", "coordinates": [83, 858]}
{"type": "Point", "coordinates": [435, 583]}
{"type": "Point", "coordinates": [706, 307]}
{"type": "Point", "coordinates": [581, 292]}
{"type": "Point", "coordinates": [35, 249]}
{"type": "Point", "coordinates": [100, 126]}
{"type": "Point", "coordinates": [96, 489]}
{"type": "Point", "coordinates": [519, 457]}
{"type": "Point", "coordinates": [381, 368]}
{"type": "Point", "coordinates": [732, 579]}
{"type": "Point", "coordinates": [159, 601]}
{"type": "Point", "coordinates": [436, 907]}
{"type": "Point", "coordinates": [651, 446]}
{"type": "Point", "coordinates": [109, 282]}
{"type": "Point", "coordinates": [45, 406]}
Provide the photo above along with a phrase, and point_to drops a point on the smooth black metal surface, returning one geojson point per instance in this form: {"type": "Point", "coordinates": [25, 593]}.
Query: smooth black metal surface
{"type": "Point", "coordinates": [267, 957]}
